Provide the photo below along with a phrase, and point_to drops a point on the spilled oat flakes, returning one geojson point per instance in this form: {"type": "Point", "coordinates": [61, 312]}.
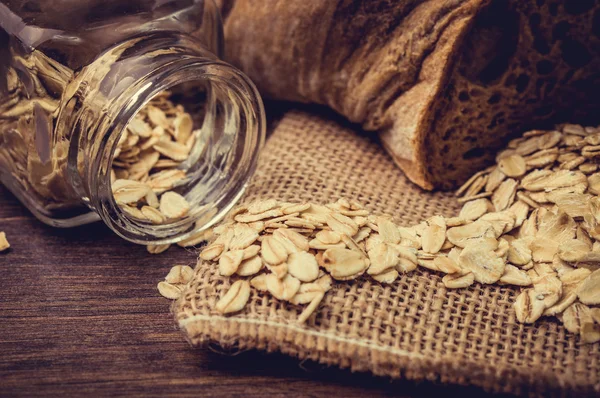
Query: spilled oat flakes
{"type": "Point", "coordinates": [4, 245]}
{"type": "Point", "coordinates": [531, 220]}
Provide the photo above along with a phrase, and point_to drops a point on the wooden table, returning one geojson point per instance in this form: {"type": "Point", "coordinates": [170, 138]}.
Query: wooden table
{"type": "Point", "coordinates": [80, 315]}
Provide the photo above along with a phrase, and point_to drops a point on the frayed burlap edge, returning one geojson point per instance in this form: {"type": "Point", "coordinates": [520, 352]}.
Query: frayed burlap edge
{"type": "Point", "coordinates": [358, 356]}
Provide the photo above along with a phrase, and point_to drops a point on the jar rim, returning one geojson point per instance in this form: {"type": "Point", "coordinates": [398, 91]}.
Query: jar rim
{"type": "Point", "coordinates": [249, 138]}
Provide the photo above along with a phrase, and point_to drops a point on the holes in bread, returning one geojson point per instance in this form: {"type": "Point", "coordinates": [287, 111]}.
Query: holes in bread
{"type": "Point", "coordinates": [463, 96]}
{"type": "Point", "coordinates": [544, 111]}
{"type": "Point", "coordinates": [540, 45]}
{"type": "Point", "coordinates": [491, 45]}
{"type": "Point", "coordinates": [522, 82]}
{"type": "Point", "coordinates": [578, 7]}
{"type": "Point", "coordinates": [474, 153]}
{"type": "Point", "coordinates": [534, 21]}
{"type": "Point", "coordinates": [546, 85]}
{"type": "Point", "coordinates": [596, 23]}
{"type": "Point", "coordinates": [449, 133]}
{"type": "Point", "coordinates": [574, 53]}
{"type": "Point", "coordinates": [497, 120]}
{"type": "Point", "coordinates": [475, 92]}
{"type": "Point", "coordinates": [494, 98]}
{"type": "Point", "coordinates": [544, 67]}
{"type": "Point", "coordinates": [560, 30]}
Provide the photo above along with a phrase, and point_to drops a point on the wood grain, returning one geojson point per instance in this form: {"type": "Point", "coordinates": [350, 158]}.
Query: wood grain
{"type": "Point", "coordinates": [80, 315]}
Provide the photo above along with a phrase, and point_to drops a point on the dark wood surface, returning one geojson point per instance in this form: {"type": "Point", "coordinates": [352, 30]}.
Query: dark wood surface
{"type": "Point", "coordinates": [80, 316]}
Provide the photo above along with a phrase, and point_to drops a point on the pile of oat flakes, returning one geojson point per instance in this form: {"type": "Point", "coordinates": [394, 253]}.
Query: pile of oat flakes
{"type": "Point", "coordinates": [532, 220]}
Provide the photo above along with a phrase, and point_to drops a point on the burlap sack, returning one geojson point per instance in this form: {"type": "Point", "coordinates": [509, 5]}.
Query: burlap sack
{"type": "Point", "coordinates": [415, 328]}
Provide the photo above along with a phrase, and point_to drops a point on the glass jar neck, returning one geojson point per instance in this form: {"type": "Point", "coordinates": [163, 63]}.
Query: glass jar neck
{"type": "Point", "coordinates": [108, 93]}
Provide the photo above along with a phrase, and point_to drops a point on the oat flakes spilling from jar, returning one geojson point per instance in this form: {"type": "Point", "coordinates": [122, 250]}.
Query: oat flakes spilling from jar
{"type": "Point", "coordinates": [532, 220]}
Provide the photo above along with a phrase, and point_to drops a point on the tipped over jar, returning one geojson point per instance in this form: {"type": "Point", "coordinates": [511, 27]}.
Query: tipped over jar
{"type": "Point", "coordinates": [122, 111]}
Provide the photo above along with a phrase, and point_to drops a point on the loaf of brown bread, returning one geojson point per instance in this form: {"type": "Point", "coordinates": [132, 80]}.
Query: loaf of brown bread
{"type": "Point", "coordinates": [445, 82]}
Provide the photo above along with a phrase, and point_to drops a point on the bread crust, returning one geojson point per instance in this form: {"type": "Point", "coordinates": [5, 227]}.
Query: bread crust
{"type": "Point", "coordinates": [394, 67]}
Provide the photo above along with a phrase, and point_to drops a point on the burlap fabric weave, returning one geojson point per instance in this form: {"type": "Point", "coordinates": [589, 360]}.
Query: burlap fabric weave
{"type": "Point", "coordinates": [414, 328]}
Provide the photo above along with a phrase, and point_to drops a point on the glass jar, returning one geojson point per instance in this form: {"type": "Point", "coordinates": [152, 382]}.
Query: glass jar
{"type": "Point", "coordinates": [75, 73]}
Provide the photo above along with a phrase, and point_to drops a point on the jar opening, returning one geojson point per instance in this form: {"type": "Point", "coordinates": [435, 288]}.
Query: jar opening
{"type": "Point", "coordinates": [181, 154]}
